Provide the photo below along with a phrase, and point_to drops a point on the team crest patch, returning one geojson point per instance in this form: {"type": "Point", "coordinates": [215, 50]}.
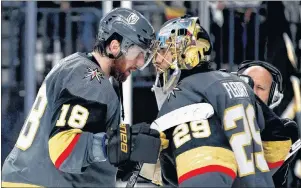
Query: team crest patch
{"type": "Point", "coordinates": [94, 73]}
{"type": "Point", "coordinates": [132, 18]}
{"type": "Point", "coordinates": [172, 92]}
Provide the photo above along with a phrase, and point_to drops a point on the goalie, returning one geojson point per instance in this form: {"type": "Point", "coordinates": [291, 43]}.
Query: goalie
{"type": "Point", "coordinates": [210, 117]}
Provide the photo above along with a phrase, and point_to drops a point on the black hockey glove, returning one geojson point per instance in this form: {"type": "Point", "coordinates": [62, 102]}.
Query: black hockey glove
{"type": "Point", "coordinates": [136, 143]}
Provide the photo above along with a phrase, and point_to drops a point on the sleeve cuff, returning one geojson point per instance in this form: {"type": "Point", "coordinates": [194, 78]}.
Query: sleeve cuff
{"type": "Point", "coordinates": [104, 145]}
{"type": "Point", "coordinates": [98, 151]}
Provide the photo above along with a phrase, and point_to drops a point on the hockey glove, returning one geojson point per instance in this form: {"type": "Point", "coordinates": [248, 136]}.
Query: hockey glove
{"type": "Point", "coordinates": [136, 143]}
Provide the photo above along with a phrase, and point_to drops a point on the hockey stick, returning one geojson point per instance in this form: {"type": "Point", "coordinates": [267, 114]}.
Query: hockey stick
{"type": "Point", "coordinates": [134, 177]}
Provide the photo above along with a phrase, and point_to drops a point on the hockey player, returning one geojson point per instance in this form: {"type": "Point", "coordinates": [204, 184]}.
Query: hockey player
{"type": "Point", "coordinates": [63, 142]}
{"type": "Point", "coordinates": [210, 117]}
{"type": "Point", "coordinates": [279, 134]}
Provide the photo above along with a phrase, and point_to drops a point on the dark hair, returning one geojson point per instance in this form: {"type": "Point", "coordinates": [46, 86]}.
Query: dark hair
{"type": "Point", "coordinates": [205, 65]}
{"type": "Point", "coordinates": [100, 45]}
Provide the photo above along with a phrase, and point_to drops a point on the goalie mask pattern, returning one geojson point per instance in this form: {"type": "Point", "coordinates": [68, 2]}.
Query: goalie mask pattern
{"type": "Point", "coordinates": [183, 45]}
{"type": "Point", "coordinates": [187, 41]}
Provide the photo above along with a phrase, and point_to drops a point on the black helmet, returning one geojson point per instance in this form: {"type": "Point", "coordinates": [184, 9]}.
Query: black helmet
{"type": "Point", "coordinates": [130, 25]}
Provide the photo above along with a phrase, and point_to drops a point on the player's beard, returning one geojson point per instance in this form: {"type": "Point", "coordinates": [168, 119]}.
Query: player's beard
{"type": "Point", "coordinates": [117, 74]}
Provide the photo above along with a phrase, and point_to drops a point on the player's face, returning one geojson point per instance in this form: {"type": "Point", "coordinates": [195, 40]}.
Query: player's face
{"type": "Point", "coordinates": [163, 60]}
{"type": "Point", "coordinates": [128, 63]}
{"type": "Point", "coordinates": [262, 81]}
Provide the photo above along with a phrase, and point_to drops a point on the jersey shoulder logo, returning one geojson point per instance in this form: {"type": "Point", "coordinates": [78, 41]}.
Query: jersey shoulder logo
{"type": "Point", "coordinates": [172, 92]}
{"type": "Point", "coordinates": [94, 73]}
{"type": "Point", "coordinates": [132, 18]}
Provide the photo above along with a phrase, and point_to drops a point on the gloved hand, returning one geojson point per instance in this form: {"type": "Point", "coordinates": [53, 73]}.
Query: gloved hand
{"type": "Point", "coordinates": [136, 143]}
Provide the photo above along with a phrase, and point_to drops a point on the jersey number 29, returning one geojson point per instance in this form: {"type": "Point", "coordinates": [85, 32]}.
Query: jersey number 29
{"type": "Point", "coordinates": [243, 139]}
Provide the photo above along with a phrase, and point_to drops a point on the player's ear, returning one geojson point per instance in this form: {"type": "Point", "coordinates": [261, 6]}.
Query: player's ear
{"type": "Point", "coordinates": [114, 47]}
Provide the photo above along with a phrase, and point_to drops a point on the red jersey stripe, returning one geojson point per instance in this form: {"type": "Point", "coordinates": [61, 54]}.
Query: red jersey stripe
{"type": "Point", "coordinates": [206, 169]}
{"type": "Point", "coordinates": [67, 151]}
{"type": "Point", "coordinates": [275, 164]}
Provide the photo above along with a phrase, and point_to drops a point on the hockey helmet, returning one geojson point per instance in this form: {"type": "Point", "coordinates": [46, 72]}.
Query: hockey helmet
{"type": "Point", "coordinates": [134, 29]}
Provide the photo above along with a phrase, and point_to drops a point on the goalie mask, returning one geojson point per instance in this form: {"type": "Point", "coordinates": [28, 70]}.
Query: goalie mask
{"type": "Point", "coordinates": [276, 91]}
{"type": "Point", "coordinates": [184, 44]}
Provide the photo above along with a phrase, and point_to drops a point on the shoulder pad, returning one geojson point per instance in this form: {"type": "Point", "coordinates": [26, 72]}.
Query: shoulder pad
{"type": "Point", "coordinates": [193, 112]}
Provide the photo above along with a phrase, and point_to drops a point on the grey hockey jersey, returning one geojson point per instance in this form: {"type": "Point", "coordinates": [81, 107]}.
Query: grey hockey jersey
{"type": "Point", "coordinates": [55, 145]}
{"type": "Point", "coordinates": [223, 150]}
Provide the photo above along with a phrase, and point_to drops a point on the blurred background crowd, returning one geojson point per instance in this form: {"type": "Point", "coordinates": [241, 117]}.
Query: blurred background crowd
{"type": "Point", "coordinates": [239, 30]}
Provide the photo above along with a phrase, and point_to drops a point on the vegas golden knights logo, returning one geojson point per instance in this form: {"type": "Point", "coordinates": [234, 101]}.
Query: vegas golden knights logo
{"type": "Point", "coordinates": [132, 18]}
{"type": "Point", "coordinates": [123, 137]}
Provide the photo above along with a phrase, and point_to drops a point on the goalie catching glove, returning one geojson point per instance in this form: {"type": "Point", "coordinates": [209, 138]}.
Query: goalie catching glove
{"type": "Point", "coordinates": [136, 143]}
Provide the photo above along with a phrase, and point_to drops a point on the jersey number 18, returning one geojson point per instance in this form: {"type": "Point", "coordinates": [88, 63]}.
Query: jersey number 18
{"type": "Point", "coordinates": [77, 119]}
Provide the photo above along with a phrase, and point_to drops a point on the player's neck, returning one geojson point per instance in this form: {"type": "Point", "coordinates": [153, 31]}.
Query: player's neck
{"type": "Point", "coordinates": [104, 62]}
